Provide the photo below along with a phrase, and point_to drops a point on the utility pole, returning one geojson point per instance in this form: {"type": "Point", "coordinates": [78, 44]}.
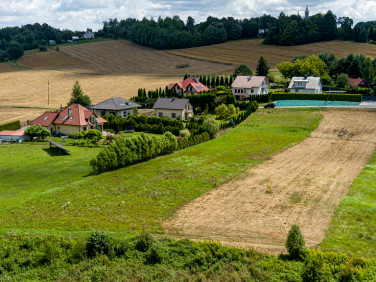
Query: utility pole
{"type": "Point", "coordinates": [48, 92]}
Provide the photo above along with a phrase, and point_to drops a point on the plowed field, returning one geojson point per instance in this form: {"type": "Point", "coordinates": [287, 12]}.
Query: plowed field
{"type": "Point", "coordinates": [249, 51]}
{"type": "Point", "coordinates": [308, 182]}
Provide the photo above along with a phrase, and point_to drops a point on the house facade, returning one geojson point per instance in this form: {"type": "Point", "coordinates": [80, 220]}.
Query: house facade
{"type": "Point", "coordinates": [116, 106]}
{"type": "Point", "coordinates": [89, 34]}
{"type": "Point", "coordinates": [306, 84]}
{"type": "Point", "coordinates": [189, 85]}
{"type": "Point", "coordinates": [173, 108]}
{"type": "Point", "coordinates": [244, 86]}
{"type": "Point", "coordinates": [74, 118]}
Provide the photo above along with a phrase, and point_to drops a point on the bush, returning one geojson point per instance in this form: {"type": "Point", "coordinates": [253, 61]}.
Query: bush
{"type": "Point", "coordinates": [155, 254]}
{"type": "Point", "coordinates": [184, 133]}
{"type": "Point", "coordinates": [222, 112]}
{"type": "Point", "coordinates": [37, 131]}
{"type": "Point", "coordinates": [295, 242]}
{"type": "Point", "coordinates": [42, 48]}
{"type": "Point", "coordinates": [14, 125]}
{"type": "Point", "coordinates": [144, 241]}
{"type": "Point", "coordinates": [317, 97]}
{"type": "Point", "coordinates": [98, 244]}
{"type": "Point", "coordinates": [93, 135]}
{"type": "Point", "coordinates": [211, 126]}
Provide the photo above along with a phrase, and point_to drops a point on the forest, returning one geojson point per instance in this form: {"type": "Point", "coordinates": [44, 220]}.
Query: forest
{"type": "Point", "coordinates": [172, 33]}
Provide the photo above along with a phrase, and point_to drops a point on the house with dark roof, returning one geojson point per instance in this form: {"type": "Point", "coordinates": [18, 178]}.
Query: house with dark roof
{"type": "Point", "coordinates": [306, 84]}
{"type": "Point", "coordinates": [74, 118]}
{"type": "Point", "coordinates": [244, 86]}
{"type": "Point", "coordinates": [189, 85]}
{"type": "Point", "coordinates": [357, 82]}
{"type": "Point", "coordinates": [116, 106]}
{"type": "Point", "coordinates": [173, 108]}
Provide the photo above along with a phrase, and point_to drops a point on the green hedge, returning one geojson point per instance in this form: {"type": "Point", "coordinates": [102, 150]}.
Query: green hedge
{"type": "Point", "coordinates": [317, 97]}
{"type": "Point", "coordinates": [193, 140]}
{"type": "Point", "coordinates": [126, 151]}
{"type": "Point", "coordinates": [14, 125]}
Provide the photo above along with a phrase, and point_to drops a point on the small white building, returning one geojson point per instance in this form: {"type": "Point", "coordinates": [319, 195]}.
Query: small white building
{"type": "Point", "coordinates": [75, 38]}
{"type": "Point", "coordinates": [244, 86]}
{"type": "Point", "coordinates": [89, 34]}
{"type": "Point", "coordinates": [306, 84]}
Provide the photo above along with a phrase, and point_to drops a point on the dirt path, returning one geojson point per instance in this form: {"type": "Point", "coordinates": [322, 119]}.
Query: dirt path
{"type": "Point", "coordinates": [308, 182]}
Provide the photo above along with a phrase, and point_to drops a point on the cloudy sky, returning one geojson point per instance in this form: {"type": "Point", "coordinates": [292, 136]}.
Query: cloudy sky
{"type": "Point", "coordinates": [80, 14]}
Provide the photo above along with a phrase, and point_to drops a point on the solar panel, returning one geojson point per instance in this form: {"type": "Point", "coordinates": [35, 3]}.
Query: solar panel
{"type": "Point", "coordinates": [57, 145]}
{"type": "Point", "coordinates": [199, 87]}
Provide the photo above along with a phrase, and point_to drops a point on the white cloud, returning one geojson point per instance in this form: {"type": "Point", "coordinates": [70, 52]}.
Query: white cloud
{"type": "Point", "coordinates": [80, 14]}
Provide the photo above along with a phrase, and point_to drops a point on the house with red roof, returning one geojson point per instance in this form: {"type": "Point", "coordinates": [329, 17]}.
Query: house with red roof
{"type": "Point", "coordinates": [189, 85]}
{"type": "Point", "coordinates": [357, 82]}
{"type": "Point", "coordinates": [74, 118]}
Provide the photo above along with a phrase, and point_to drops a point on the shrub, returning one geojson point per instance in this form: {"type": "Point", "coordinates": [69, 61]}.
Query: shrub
{"type": "Point", "coordinates": [144, 241]}
{"type": "Point", "coordinates": [37, 131]}
{"type": "Point", "coordinates": [93, 135]}
{"type": "Point", "coordinates": [184, 133]}
{"type": "Point", "coordinates": [222, 112]}
{"type": "Point", "coordinates": [42, 48]}
{"type": "Point", "coordinates": [155, 254]}
{"type": "Point", "coordinates": [295, 242]}
{"type": "Point", "coordinates": [14, 125]}
{"type": "Point", "coordinates": [211, 126]}
{"type": "Point", "coordinates": [98, 244]}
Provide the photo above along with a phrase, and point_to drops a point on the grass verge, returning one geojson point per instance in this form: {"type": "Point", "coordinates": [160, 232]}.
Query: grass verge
{"type": "Point", "coordinates": [353, 228]}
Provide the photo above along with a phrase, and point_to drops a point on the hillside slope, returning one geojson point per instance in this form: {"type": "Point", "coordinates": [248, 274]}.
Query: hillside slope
{"type": "Point", "coordinates": [249, 51]}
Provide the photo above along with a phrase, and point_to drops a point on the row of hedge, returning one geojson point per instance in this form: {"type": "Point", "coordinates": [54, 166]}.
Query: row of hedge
{"type": "Point", "coordinates": [127, 151]}
{"type": "Point", "coordinates": [252, 107]}
{"type": "Point", "coordinates": [193, 140]}
{"type": "Point", "coordinates": [14, 125]}
{"type": "Point", "coordinates": [316, 97]}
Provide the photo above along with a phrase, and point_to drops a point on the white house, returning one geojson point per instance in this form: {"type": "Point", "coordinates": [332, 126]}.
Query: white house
{"type": "Point", "coordinates": [173, 108]}
{"type": "Point", "coordinates": [306, 84]}
{"type": "Point", "coordinates": [244, 86]}
{"type": "Point", "coordinates": [89, 34]}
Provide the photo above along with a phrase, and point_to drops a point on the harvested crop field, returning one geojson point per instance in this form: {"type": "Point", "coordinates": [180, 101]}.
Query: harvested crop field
{"type": "Point", "coordinates": [249, 51]}
{"type": "Point", "coordinates": [308, 182]}
{"type": "Point", "coordinates": [8, 114]}
{"type": "Point", "coordinates": [125, 57]}
{"type": "Point", "coordinates": [30, 87]}
{"type": "Point", "coordinates": [49, 59]}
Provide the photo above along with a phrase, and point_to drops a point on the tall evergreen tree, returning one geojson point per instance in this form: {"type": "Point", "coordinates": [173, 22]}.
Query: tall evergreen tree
{"type": "Point", "coordinates": [262, 67]}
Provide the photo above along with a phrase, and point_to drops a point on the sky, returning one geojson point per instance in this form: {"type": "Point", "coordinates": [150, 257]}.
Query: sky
{"type": "Point", "coordinates": [82, 14]}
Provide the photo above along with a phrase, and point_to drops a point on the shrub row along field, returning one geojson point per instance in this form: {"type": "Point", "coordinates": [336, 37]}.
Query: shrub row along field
{"type": "Point", "coordinates": [353, 228]}
{"type": "Point", "coordinates": [144, 258]}
{"type": "Point", "coordinates": [318, 97]}
{"type": "Point", "coordinates": [249, 51]}
{"type": "Point", "coordinates": [138, 196]}
{"type": "Point", "coordinates": [14, 125]}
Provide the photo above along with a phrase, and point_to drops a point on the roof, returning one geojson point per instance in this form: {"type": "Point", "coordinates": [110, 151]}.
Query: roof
{"type": "Point", "coordinates": [312, 81]}
{"type": "Point", "coordinates": [248, 81]}
{"type": "Point", "coordinates": [77, 115]}
{"type": "Point", "coordinates": [193, 81]}
{"type": "Point", "coordinates": [354, 82]}
{"type": "Point", "coordinates": [45, 119]}
{"type": "Point", "coordinates": [74, 114]}
{"type": "Point", "coordinates": [171, 104]}
{"type": "Point", "coordinates": [115, 104]}
{"type": "Point", "coordinates": [12, 133]}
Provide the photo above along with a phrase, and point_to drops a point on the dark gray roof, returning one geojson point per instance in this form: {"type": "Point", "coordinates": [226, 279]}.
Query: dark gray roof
{"type": "Point", "coordinates": [115, 104]}
{"type": "Point", "coordinates": [171, 104]}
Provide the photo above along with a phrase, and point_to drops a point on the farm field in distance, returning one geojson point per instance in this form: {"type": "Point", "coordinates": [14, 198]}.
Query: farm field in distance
{"type": "Point", "coordinates": [249, 51]}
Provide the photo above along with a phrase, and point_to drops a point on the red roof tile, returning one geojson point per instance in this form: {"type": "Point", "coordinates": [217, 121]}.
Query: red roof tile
{"type": "Point", "coordinates": [190, 81]}
{"type": "Point", "coordinates": [44, 120]}
{"type": "Point", "coordinates": [12, 132]}
{"type": "Point", "coordinates": [77, 115]}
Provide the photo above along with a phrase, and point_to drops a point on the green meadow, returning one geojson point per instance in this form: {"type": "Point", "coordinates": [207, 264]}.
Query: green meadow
{"type": "Point", "coordinates": [43, 192]}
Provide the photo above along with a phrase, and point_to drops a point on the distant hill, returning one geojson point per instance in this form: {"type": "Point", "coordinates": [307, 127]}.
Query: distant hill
{"type": "Point", "coordinates": [249, 51]}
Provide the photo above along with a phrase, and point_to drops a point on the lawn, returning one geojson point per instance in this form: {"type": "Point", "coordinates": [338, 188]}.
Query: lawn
{"type": "Point", "coordinates": [353, 228]}
{"type": "Point", "coordinates": [57, 194]}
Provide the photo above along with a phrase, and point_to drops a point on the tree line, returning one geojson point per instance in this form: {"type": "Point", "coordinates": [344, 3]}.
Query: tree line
{"type": "Point", "coordinates": [15, 40]}
{"type": "Point", "coordinates": [173, 33]}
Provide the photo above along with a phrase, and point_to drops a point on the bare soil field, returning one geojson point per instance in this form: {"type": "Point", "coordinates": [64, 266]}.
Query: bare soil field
{"type": "Point", "coordinates": [308, 182]}
{"type": "Point", "coordinates": [30, 88]}
{"type": "Point", "coordinates": [8, 114]}
{"type": "Point", "coordinates": [249, 51]}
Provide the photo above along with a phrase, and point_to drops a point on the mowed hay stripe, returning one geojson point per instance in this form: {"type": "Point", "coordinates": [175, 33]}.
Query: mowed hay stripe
{"type": "Point", "coordinates": [308, 182]}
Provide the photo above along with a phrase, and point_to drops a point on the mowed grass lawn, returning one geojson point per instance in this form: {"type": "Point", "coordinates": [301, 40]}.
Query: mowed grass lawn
{"type": "Point", "coordinates": [353, 228]}
{"type": "Point", "coordinates": [58, 195]}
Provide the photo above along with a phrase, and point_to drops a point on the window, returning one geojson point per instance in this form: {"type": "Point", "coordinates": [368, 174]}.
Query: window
{"type": "Point", "coordinates": [65, 117]}
{"type": "Point", "coordinates": [124, 114]}
{"type": "Point", "coordinates": [45, 118]}
{"type": "Point", "coordinates": [71, 118]}
{"type": "Point", "coordinates": [160, 114]}
{"type": "Point", "coordinates": [251, 90]}
{"type": "Point", "coordinates": [173, 115]}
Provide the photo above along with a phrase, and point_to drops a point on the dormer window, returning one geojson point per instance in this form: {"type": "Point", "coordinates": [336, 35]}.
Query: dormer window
{"type": "Point", "coordinates": [45, 118]}
{"type": "Point", "coordinates": [71, 118]}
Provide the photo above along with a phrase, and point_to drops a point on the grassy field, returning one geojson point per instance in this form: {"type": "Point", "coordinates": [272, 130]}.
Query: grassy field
{"type": "Point", "coordinates": [249, 51]}
{"type": "Point", "coordinates": [353, 229]}
{"type": "Point", "coordinates": [68, 199]}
